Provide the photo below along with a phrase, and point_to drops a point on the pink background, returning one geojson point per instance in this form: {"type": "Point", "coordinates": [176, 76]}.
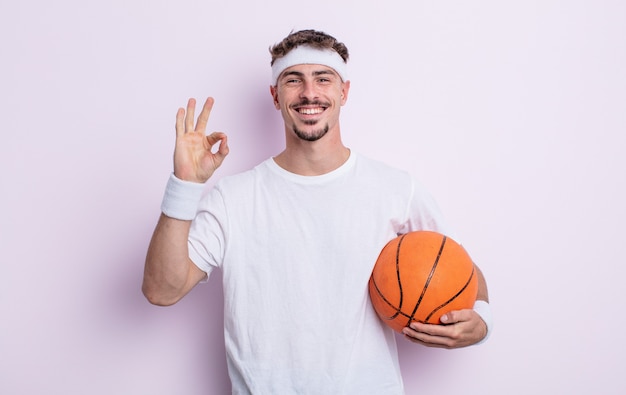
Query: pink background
{"type": "Point", "coordinates": [512, 113]}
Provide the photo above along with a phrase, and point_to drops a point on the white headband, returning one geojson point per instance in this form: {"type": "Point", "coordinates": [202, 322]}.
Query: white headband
{"type": "Point", "coordinates": [308, 55]}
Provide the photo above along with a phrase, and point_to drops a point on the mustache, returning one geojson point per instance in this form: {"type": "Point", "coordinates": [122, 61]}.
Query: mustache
{"type": "Point", "coordinates": [307, 102]}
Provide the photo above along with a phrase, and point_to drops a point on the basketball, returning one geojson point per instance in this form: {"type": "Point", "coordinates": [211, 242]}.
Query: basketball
{"type": "Point", "coordinates": [420, 276]}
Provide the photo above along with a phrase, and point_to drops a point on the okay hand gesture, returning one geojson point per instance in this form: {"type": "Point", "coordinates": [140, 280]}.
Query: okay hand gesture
{"type": "Point", "coordinates": [194, 158]}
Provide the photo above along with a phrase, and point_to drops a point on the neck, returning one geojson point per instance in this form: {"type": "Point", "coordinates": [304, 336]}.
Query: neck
{"type": "Point", "coordinates": [313, 158]}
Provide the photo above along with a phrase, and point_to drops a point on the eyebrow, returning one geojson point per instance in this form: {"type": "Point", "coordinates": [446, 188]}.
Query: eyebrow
{"type": "Point", "coordinates": [323, 72]}
{"type": "Point", "coordinates": [315, 73]}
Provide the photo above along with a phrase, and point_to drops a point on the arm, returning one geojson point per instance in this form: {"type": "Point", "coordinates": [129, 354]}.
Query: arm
{"type": "Point", "coordinates": [169, 274]}
{"type": "Point", "coordinates": [461, 328]}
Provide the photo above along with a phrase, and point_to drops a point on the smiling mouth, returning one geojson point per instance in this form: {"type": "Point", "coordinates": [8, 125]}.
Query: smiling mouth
{"type": "Point", "coordinates": [310, 111]}
{"type": "Point", "coordinates": [307, 107]}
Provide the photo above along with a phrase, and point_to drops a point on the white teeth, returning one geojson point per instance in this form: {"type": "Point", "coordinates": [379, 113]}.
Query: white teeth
{"type": "Point", "coordinates": [310, 111]}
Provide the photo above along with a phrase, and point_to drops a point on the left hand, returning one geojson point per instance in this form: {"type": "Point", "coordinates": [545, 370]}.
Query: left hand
{"type": "Point", "coordinates": [460, 328]}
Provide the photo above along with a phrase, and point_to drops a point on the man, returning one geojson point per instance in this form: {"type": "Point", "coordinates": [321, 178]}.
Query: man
{"type": "Point", "coordinates": [296, 239]}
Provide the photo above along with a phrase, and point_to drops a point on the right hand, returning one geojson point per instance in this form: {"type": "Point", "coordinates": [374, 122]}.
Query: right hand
{"type": "Point", "coordinates": [194, 159]}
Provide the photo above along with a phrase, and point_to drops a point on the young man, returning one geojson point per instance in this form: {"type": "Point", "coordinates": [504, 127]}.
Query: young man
{"type": "Point", "coordinates": [296, 239]}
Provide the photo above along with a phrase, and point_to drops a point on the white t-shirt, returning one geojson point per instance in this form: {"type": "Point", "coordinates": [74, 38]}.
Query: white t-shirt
{"type": "Point", "coordinates": [296, 253]}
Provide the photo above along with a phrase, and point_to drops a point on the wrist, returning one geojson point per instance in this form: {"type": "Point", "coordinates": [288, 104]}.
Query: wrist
{"type": "Point", "coordinates": [181, 198]}
{"type": "Point", "coordinates": [483, 309]}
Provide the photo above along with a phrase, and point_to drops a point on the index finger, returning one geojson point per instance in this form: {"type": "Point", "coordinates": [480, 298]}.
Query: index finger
{"type": "Point", "coordinates": [429, 329]}
{"type": "Point", "coordinates": [203, 118]}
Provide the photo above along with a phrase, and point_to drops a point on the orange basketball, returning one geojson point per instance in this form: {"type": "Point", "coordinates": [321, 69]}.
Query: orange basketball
{"type": "Point", "coordinates": [420, 276]}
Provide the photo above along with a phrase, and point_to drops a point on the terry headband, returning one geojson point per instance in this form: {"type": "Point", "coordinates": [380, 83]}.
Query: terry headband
{"type": "Point", "coordinates": [308, 55]}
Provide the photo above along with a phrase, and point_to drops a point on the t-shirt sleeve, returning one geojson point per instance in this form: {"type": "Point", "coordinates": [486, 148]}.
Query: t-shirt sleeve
{"type": "Point", "coordinates": [423, 212]}
{"type": "Point", "coordinates": [207, 236]}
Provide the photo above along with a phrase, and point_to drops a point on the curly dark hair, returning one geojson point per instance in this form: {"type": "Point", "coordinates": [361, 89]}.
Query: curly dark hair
{"type": "Point", "coordinates": [312, 38]}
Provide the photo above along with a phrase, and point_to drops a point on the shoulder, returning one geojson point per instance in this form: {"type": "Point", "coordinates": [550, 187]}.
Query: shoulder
{"type": "Point", "coordinates": [380, 171]}
{"type": "Point", "coordinates": [233, 190]}
{"type": "Point", "coordinates": [244, 178]}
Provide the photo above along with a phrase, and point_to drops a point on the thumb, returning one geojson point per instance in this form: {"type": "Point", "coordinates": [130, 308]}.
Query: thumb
{"type": "Point", "coordinates": [451, 317]}
{"type": "Point", "coordinates": [222, 139]}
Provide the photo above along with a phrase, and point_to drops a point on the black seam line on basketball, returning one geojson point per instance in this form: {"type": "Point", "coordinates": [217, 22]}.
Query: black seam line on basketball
{"type": "Point", "coordinates": [380, 294]}
{"type": "Point", "coordinates": [430, 277]}
{"type": "Point", "coordinates": [398, 308]}
{"type": "Point", "coordinates": [454, 297]}
{"type": "Point", "coordinates": [398, 272]}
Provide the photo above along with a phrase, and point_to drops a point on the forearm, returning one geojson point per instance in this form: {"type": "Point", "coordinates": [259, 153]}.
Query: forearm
{"type": "Point", "coordinates": [481, 307]}
{"type": "Point", "coordinates": [483, 293]}
{"type": "Point", "coordinates": [169, 273]}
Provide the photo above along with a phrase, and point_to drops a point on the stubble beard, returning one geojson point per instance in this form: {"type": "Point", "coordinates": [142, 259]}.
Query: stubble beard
{"type": "Point", "coordinates": [313, 135]}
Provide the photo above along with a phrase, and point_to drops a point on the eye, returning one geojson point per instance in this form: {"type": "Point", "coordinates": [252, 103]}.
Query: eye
{"type": "Point", "coordinates": [325, 79]}
{"type": "Point", "coordinates": [292, 81]}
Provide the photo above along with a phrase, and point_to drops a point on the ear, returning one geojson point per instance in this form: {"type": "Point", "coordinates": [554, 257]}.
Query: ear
{"type": "Point", "coordinates": [274, 93]}
{"type": "Point", "coordinates": [345, 88]}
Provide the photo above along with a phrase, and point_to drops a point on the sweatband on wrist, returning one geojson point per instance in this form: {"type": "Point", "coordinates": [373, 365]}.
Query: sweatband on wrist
{"type": "Point", "coordinates": [483, 309]}
{"type": "Point", "coordinates": [181, 198]}
{"type": "Point", "coordinates": [305, 54]}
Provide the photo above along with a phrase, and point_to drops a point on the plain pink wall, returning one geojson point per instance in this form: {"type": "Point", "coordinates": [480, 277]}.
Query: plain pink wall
{"type": "Point", "coordinates": [511, 114]}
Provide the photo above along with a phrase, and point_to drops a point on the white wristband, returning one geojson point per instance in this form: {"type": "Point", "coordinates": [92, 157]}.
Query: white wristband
{"type": "Point", "coordinates": [181, 198]}
{"type": "Point", "coordinates": [483, 309]}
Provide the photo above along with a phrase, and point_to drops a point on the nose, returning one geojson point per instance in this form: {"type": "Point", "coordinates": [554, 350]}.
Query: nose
{"type": "Point", "coordinates": [308, 90]}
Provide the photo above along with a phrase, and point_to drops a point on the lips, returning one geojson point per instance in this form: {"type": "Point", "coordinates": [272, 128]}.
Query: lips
{"type": "Point", "coordinates": [310, 107]}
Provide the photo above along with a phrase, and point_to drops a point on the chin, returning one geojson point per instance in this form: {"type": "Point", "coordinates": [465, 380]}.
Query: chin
{"type": "Point", "coordinates": [313, 135]}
